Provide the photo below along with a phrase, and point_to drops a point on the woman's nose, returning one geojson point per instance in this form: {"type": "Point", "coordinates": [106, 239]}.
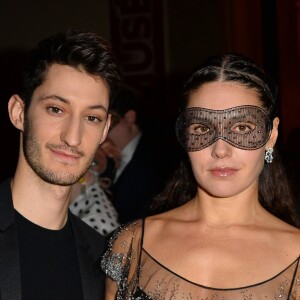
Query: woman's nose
{"type": "Point", "coordinates": [221, 149]}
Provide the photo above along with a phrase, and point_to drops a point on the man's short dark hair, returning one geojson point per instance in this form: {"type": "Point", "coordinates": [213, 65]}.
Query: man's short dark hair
{"type": "Point", "coordinates": [83, 50]}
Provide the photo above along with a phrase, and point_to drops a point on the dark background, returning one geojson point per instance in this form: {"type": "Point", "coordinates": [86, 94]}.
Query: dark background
{"type": "Point", "coordinates": [157, 43]}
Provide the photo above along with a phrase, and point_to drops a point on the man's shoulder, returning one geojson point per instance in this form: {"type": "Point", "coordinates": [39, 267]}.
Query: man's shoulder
{"type": "Point", "coordinates": [86, 232]}
{"type": "Point", "coordinates": [5, 185]}
{"type": "Point", "coordinates": [6, 205]}
{"type": "Point", "coordinates": [84, 227]}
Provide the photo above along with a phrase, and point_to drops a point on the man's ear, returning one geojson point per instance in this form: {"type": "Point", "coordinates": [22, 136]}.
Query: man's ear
{"type": "Point", "coordinates": [16, 113]}
{"type": "Point", "coordinates": [130, 116]}
{"type": "Point", "coordinates": [274, 134]}
{"type": "Point", "coordinates": [105, 130]}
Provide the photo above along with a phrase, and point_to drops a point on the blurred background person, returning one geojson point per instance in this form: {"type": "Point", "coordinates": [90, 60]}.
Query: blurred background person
{"type": "Point", "coordinates": [139, 175]}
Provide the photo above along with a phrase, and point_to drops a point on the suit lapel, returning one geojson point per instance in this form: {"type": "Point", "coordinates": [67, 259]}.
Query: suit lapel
{"type": "Point", "coordinates": [91, 277]}
{"type": "Point", "coordinates": [10, 276]}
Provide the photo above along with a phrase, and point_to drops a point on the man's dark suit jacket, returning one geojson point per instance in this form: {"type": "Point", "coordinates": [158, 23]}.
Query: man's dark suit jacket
{"type": "Point", "coordinates": [88, 242]}
{"type": "Point", "coordinates": [140, 181]}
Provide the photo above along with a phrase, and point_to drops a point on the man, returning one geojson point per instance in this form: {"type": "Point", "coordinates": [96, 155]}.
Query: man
{"type": "Point", "coordinates": [143, 167]}
{"type": "Point", "coordinates": [62, 114]}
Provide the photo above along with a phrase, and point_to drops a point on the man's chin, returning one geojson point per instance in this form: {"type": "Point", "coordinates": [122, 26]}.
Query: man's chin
{"type": "Point", "coordinates": [58, 176]}
{"type": "Point", "coordinates": [65, 180]}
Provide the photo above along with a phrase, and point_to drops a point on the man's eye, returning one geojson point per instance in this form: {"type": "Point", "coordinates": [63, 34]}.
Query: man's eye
{"type": "Point", "coordinates": [242, 128]}
{"type": "Point", "coordinates": [54, 110]}
{"type": "Point", "coordinates": [198, 129]}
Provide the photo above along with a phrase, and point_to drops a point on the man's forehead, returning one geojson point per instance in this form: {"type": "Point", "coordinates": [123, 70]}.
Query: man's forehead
{"type": "Point", "coordinates": [68, 85]}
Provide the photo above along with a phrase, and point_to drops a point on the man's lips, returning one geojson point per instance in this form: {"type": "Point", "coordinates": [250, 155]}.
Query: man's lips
{"type": "Point", "coordinates": [223, 172]}
{"type": "Point", "coordinates": [64, 155]}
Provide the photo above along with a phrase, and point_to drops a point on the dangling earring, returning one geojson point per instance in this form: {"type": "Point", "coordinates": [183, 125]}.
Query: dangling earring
{"type": "Point", "coordinates": [269, 156]}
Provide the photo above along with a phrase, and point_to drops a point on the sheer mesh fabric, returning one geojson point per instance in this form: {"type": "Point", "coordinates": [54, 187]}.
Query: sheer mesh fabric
{"type": "Point", "coordinates": [140, 277]}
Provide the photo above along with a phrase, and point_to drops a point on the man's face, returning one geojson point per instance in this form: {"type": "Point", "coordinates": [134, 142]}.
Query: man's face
{"type": "Point", "coordinates": [65, 123]}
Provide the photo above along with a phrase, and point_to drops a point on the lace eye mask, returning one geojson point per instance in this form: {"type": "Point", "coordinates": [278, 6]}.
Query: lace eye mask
{"type": "Point", "coordinates": [245, 127]}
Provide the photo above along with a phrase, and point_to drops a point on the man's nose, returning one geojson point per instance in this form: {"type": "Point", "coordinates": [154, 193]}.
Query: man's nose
{"type": "Point", "coordinates": [72, 132]}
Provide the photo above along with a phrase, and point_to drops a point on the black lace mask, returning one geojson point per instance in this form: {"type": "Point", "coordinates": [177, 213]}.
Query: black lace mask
{"type": "Point", "coordinates": [245, 127]}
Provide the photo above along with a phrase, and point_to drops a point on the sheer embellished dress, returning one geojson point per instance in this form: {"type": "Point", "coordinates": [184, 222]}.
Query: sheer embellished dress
{"type": "Point", "coordinates": [139, 276]}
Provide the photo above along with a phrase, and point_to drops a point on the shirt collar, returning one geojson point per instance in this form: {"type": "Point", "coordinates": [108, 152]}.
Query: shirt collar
{"type": "Point", "coordinates": [129, 149]}
{"type": "Point", "coordinates": [127, 154]}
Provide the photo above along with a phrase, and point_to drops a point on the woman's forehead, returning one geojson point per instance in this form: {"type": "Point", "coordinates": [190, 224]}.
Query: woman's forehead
{"type": "Point", "coordinates": [223, 95]}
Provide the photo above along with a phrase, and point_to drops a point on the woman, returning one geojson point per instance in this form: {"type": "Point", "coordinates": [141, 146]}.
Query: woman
{"type": "Point", "coordinates": [228, 232]}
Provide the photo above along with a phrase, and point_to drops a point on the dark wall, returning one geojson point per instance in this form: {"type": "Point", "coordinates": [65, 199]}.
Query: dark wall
{"type": "Point", "coordinates": [11, 61]}
{"type": "Point", "coordinates": [23, 23]}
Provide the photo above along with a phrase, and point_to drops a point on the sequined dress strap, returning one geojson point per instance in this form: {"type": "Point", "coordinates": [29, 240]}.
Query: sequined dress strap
{"type": "Point", "coordinates": [141, 249]}
{"type": "Point", "coordinates": [294, 276]}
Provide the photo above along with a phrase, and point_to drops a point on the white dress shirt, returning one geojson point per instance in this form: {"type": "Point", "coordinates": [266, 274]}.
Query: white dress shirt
{"type": "Point", "coordinates": [127, 154]}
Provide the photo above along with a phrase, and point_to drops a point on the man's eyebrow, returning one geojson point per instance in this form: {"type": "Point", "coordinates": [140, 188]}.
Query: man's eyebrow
{"type": "Point", "coordinates": [54, 97]}
{"type": "Point", "coordinates": [66, 101]}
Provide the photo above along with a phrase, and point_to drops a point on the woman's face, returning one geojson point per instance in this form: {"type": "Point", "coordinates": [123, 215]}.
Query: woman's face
{"type": "Point", "coordinates": [221, 169]}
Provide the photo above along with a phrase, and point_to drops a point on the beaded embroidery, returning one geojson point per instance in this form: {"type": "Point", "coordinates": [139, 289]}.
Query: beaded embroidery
{"type": "Point", "coordinates": [140, 277]}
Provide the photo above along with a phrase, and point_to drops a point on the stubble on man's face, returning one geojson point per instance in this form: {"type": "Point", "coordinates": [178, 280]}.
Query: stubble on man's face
{"type": "Point", "coordinates": [33, 155]}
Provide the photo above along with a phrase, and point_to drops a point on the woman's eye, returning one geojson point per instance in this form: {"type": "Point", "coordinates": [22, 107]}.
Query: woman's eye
{"type": "Point", "coordinates": [242, 128]}
{"type": "Point", "coordinates": [198, 129]}
{"type": "Point", "coordinates": [94, 119]}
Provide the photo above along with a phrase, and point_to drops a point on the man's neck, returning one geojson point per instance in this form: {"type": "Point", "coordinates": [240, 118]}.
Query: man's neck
{"type": "Point", "coordinates": [40, 202]}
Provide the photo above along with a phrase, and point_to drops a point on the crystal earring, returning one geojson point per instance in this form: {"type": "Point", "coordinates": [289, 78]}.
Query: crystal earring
{"type": "Point", "coordinates": [269, 156]}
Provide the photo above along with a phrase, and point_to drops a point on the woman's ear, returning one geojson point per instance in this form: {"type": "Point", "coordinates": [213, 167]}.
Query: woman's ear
{"type": "Point", "coordinates": [16, 111]}
{"type": "Point", "coordinates": [274, 134]}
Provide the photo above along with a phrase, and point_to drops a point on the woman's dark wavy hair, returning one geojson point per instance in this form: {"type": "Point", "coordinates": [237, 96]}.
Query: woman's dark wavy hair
{"type": "Point", "coordinates": [83, 50]}
{"type": "Point", "coordinates": [274, 189]}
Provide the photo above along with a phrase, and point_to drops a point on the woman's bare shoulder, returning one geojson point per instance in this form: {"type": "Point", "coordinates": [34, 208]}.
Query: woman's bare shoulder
{"type": "Point", "coordinates": [165, 223]}
{"type": "Point", "coordinates": [284, 237]}
{"type": "Point", "coordinates": [125, 234]}
{"type": "Point", "coordinates": [165, 217]}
